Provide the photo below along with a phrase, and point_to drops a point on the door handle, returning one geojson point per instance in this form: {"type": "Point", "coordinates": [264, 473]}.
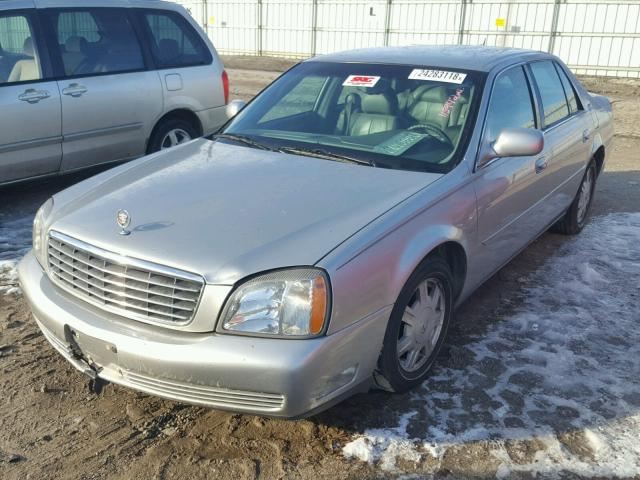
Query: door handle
{"type": "Point", "coordinates": [31, 95]}
{"type": "Point", "coordinates": [541, 164]}
{"type": "Point", "coordinates": [585, 135]}
{"type": "Point", "coordinates": [75, 90]}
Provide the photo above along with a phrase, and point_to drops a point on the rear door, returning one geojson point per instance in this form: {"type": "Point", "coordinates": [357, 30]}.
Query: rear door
{"type": "Point", "coordinates": [109, 97]}
{"type": "Point", "coordinates": [566, 131]}
{"type": "Point", "coordinates": [30, 136]}
{"type": "Point", "coordinates": [191, 77]}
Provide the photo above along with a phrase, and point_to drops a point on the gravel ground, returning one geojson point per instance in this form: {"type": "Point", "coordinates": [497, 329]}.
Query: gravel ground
{"type": "Point", "coordinates": [539, 377]}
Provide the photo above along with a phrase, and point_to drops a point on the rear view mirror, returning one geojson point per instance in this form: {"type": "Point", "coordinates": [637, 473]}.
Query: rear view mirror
{"type": "Point", "coordinates": [514, 142]}
{"type": "Point", "coordinates": [234, 107]}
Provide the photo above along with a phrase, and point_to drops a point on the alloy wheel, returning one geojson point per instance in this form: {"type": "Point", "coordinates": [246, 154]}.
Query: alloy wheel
{"type": "Point", "coordinates": [422, 323]}
{"type": "Point", "coordinates": [174, 137]}
{"type": "Point", "coordinates": [585, 195]}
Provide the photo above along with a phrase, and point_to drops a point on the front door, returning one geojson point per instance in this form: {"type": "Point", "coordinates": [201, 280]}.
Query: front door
{"type": "Point", "coordinates": [510, 191]}
{"type": "Point", "coordinates": [30, 118]}
{"type": "Point", "coordinates": [109, 98]}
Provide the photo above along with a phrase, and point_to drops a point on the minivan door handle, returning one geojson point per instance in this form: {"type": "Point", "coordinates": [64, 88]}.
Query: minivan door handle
{"type": "Point", "coordinates": [31, 95]}
{"type": "Point", "coordinates": [541, 164]}
{"type": "Point", "coordinates": [75, 90]}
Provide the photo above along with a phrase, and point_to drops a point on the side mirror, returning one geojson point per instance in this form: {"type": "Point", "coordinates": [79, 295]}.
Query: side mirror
{"type": "Point", "coordinates": [514, 142]}
{"type": "Point", "coordinates": [234, 107]}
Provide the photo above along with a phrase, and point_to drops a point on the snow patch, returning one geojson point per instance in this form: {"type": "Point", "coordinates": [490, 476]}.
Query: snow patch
{"type": "Point", "coordinates": [385, 445]}
{"type": "Point", "coordinates": [15, 242]}
{"type": "Point", "coordinates": [560, 377]}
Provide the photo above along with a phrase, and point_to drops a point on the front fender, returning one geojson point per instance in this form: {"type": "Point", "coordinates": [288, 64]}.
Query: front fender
{"type": "Point", "coordinates": [369, 276]}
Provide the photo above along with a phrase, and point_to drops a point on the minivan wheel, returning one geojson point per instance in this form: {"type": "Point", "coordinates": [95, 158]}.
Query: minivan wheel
{"type": "Point", "coordinates": [576, 216]}
{"type": "Point", "coordinates": [170, 133]}
{"type": "Point", "coordinates": [417, 327]}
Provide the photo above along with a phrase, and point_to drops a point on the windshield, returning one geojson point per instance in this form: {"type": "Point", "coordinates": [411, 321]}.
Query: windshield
{"type": "Point", "coordinates": [395, 116]}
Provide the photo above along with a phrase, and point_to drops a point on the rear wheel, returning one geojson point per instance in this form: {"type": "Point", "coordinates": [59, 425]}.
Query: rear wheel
{"type": "Point", "coordinates": [576, 216]}
{"type": "Point", "coordinates": [417, 327]}
{"type": "Point", "coordinates": [170, 133]}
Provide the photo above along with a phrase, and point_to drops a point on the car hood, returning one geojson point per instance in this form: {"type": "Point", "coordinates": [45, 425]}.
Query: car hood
{"type": "Point", "coordinates": [227, 211]}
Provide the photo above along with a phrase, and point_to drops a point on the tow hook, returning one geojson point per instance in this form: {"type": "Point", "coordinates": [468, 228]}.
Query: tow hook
{"type": "Point", "coordinates": [96, 385]}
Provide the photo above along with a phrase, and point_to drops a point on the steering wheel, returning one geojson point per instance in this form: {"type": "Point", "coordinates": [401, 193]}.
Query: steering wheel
{"type": "Point", "coordinates": [433, 131]}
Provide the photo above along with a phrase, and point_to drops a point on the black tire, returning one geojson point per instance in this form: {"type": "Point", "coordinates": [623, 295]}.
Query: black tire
{"type": "Point", "coordinates": [573, 222]}
{"type": "Point", "coordinates": [164, 127]}
{"type": "Point", "coordinates": [390, 374]}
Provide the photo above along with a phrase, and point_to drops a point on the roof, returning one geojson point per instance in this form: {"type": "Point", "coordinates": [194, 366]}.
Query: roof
{"type": "Point", "coordinates": [466, 57]}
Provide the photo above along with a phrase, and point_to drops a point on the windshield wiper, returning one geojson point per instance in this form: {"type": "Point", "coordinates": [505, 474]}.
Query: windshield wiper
{"type": "Point", "coordinates": [242, 139]}
{"type": "Point", "coordinates": [319, 153]}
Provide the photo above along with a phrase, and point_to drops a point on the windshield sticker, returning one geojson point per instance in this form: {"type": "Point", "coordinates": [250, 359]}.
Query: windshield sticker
{"type": "Point", "coordinates": [399, 143]}
{"type": "Point", "coordinates": [360, 81]}
{"type": "Point", "coordinates": [449, 104]}
{"type": "Point", "coordinates": [437, 76]}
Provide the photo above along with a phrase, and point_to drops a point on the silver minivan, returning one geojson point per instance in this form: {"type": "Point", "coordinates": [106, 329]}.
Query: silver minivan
{"type": "Point", "coordinates": [87, 82]}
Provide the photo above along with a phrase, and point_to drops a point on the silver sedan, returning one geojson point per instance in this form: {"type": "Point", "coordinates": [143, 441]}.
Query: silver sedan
{"type": "Point", "coordinates": [319, 243]}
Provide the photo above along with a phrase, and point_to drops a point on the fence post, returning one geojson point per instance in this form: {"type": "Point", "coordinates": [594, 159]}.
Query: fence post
{"type": "Point", "coordinates": [463, 20]}
{"type": "Point", "coordinates": [314, 28]}
{"type": "Point", "coordinates": [387, 21]}
{"type": "Point", "coordinates": [554, 26]}
{"type": "Point", "coordinates": [205, 17]}
{"type": "Point", "coordinates": [259, 29]}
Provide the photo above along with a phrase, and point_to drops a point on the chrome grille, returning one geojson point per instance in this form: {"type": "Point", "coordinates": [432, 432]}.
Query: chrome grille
{"type": "Point", "coordinates": [132, 288]}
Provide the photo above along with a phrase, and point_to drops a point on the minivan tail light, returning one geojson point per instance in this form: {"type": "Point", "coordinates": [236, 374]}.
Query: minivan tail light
{"type": "Point", "coordinates": [225, 86]}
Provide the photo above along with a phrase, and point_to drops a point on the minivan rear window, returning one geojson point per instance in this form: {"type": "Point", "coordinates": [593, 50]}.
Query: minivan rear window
{"type": "Point", "coordinates": [174, 43]}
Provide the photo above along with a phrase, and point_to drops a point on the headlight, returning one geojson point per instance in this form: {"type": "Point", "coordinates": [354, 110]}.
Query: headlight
{"type": "Point", "coordinates": [38, 240]}
{"type": "Point", "coordinates": [286, 303]}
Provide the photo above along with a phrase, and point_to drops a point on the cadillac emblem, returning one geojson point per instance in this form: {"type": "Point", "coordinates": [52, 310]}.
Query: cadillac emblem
{"type": "Point", "coordinates": [123, 219]}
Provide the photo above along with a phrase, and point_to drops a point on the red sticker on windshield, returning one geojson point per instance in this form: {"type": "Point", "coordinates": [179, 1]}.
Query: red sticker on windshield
{"type": "Point", "coordinates": [451, 101]}
{"type": "Point", "coordinates": [360, 81]}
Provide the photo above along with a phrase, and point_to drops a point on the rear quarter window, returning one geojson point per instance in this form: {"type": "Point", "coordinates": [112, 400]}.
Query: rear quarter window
{"type": "Point", "coordinates": [173, 41]}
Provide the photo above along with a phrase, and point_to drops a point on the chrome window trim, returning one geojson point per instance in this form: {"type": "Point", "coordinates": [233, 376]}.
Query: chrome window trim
{"type": "Point", "coordinates": [126, 262]}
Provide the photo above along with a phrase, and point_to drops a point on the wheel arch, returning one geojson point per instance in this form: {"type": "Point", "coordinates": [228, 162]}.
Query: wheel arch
{"type": "Point", "coordinates": [598, 153]}
{"type": "Point", "coordinates": [444, 241]}
{"type": "Point", "coordinates": [184, 114]}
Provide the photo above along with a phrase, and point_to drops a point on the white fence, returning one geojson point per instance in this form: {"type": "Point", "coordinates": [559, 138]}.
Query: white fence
{"type": "Point", "coordinates": [593, 37]}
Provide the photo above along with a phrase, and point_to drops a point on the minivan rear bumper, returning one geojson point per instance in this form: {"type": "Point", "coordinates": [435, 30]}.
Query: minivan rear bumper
{"type": "Point", "coordinates": [272, 377]}
{"type": "Point", "coordinates": [212, 119]}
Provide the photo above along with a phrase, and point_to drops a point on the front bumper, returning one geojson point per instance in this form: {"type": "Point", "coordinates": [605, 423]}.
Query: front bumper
{"type": "Point", "coordinates": [274, 377]}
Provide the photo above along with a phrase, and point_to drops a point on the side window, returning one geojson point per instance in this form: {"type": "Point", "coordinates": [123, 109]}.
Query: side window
{"type": "Point", "coordinates": [95, 41]}
{"type": "Point", "coordinates": [569, 91]}
{"type": "Point", "coordinates": [174, 42]}
{"type": "Point", "coordinates": [301, 99]}
{"type": "Point", "coordinates": [554, 102]}
{"type": "Point", "coordinates": [19, 61]}
{"type": "Point", "coordinates": [510, 105]}
{"type": "Point", "coordinates": [77, 24]}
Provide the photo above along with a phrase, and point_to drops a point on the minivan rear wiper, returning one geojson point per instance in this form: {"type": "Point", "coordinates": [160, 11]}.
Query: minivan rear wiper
{"type": "Point", "coordinates": [242, 139]}
{"type": "Point", "coordinates": [319, 153]}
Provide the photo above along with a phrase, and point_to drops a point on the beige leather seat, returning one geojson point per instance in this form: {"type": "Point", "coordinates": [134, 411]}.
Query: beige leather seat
{"type": "Point", "coordinates": [74, 53]}
{"type": "Point", "coordinates": [26, 69]}
{"type": "Point", "coordinates": [379, 113]}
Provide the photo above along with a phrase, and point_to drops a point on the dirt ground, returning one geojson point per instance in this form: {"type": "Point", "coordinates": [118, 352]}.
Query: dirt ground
{"type": "Point", "coordinates": [52, 427]}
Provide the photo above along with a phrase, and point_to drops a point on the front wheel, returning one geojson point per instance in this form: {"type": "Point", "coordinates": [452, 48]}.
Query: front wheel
{"type": "Point", "coordinates": [576, 216]}
{"type": "Point", "coordinates": [417, 327]}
